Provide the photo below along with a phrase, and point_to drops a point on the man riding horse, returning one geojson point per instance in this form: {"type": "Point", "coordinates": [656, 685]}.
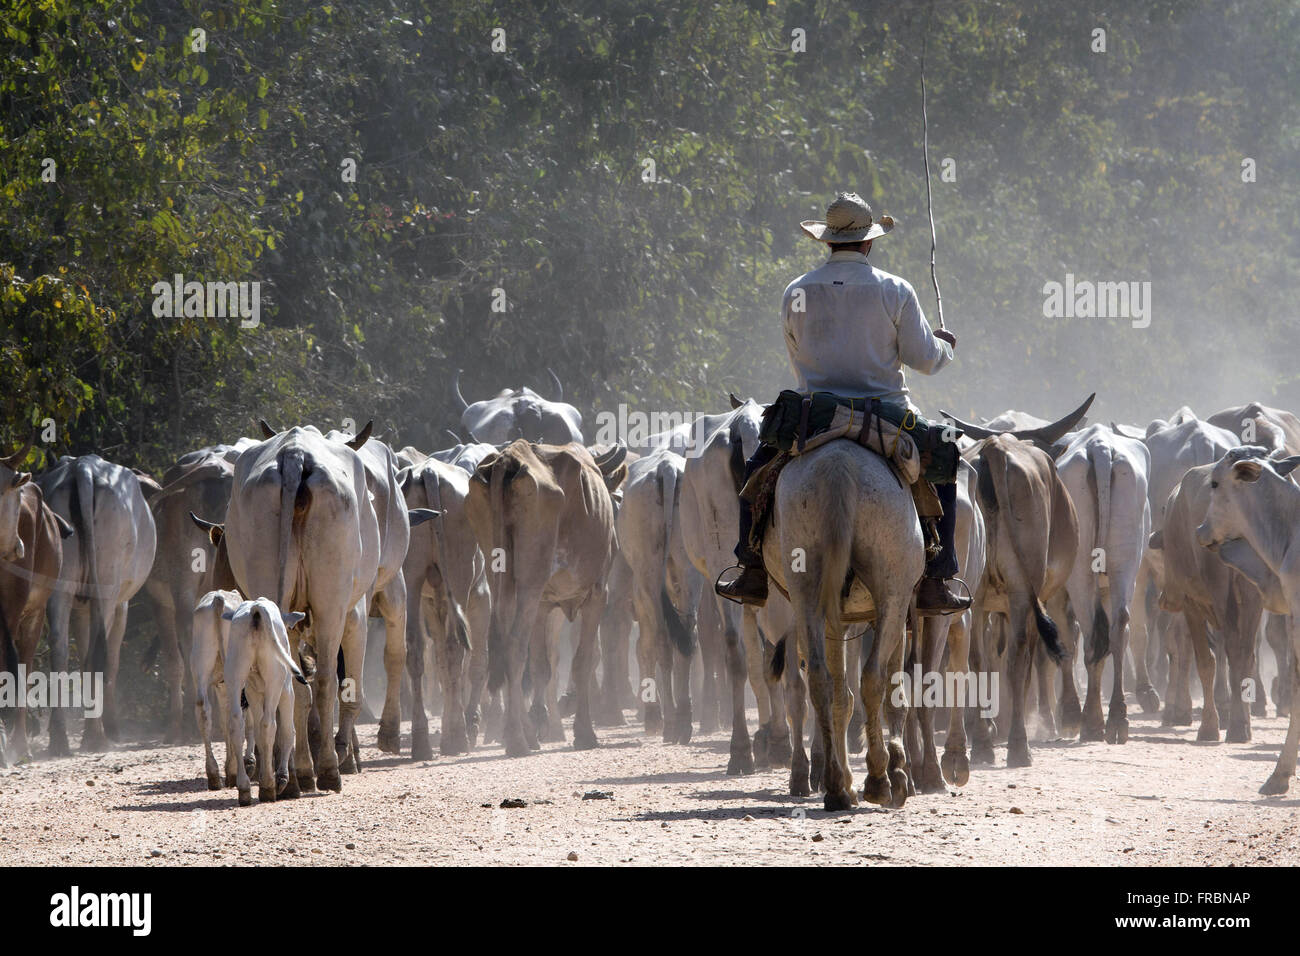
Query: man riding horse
{"type": "Point", "coordinates": [849, 329]}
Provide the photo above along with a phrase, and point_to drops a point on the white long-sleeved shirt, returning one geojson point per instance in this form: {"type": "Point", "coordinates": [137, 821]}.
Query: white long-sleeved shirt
{"type": "Point", "coordinates": [857, 328]}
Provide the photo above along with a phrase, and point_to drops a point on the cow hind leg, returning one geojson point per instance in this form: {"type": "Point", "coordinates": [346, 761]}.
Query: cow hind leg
{"type": "Point", "coordinates": [1205, 670]}
{"type": "Point", "coordinates": [391, 604]}
{"type": "Point", "coordinates": [584, 665]}
{"type": "Point", "coordinates": [1280, 780]}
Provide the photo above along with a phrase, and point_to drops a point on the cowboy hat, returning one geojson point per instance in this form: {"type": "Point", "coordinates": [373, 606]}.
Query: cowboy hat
{"type": "Point", "coordinates": [848, 219]}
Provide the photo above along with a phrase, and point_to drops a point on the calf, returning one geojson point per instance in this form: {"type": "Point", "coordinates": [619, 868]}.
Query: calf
{"type": "Point", "coordinates": [211, 632]}
{"type": "Point", "coordinates": [259, 665]}
{"type": "Point", "coordinates": [1251, 523]}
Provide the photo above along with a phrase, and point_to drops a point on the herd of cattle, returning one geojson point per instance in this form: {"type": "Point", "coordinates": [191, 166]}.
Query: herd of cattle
{"type": "Point", "coordinates": [263, 561]}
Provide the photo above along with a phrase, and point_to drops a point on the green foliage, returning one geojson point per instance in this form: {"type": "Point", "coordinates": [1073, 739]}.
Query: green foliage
{"type": "Point", "coordinates": [524, 170]}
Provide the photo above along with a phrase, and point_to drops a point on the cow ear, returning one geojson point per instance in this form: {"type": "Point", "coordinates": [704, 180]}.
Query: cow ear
{"type": "Point", "coordinates": [404, 479]}
{"type": "Point", "coordinates": [267, 430]}
{"type": "Point", "coordinates": [21, 478]}
{"type": "Point", "coordinates": [1248, 469]}
{"type": "Point", "coordinates": [1157, 540]}
{"type": "Point", "coordinates": [481, 473]}
{"type": "Point", "coordinates": [228, 615]}
{"type": "Point", "coordinates": [1286, 465]}
{"type": "Point", "coordinates": [735, 402]}
{"type": "Point", "coordinates": [292, 619]}
{"type": "Point", "coordinates": [418, 516]}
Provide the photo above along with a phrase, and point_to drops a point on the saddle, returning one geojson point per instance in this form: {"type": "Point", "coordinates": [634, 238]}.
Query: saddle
{"type": "Point", "coordinates": [920, 454]}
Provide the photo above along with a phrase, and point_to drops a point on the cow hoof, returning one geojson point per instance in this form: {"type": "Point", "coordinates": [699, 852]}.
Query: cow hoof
{"type": "Point", "coordinates": [58, 748]}
{"type": "Point", "coordinates": [685, 729]}
{"type": "Point", "coordinates": [1071, 719]}
{"type": "Point", "coordinates": [877, 790]}
{"type": "Point", "coordinates": [900, 788]}
{"type": "Point", "coordinates": [1149, 700]}
{"type": "Point", "coordinates": [799, 783]}
{"type": "Point", "coordinates": [956, 768]}
{"type": "Point", "coordinates": [306, 783]}
{"type": "Point", "coordinates": [287, 789]}
{"type": "Point", "coordinates": [761, 759]}
{"type": "Point", "coordinates": [329, 780]}
{"type": "Point", "coordinates": [568, 705]}
{"type": "Point", "coordinates": [518, 748]}
{"type": "Point", "coordinates": [840, 800]}
{"type": "Point", "coordinates": [420, 747]}
{"type": "Point", "coordinates": [1237, 735]}
{"type": "Point", "coordinates": [214, 782]}
{"type": "Point", "coordinates": [1208, 734]}
{"type": "Point", "coordinates": [453, 743]}
{"type": "Point", "coordinates": [741, 762]}
{"type": "Point", "coordinates": [390, 740]}
{"type": "Point", "coordinates": [1018, 756]}
{"type": "Point", "coordinates": [94, 741]}
{"type": "Point", "coordinates": [1275, 785]}
{"type": "Point", "coordinates": [654, 719]}
{"type": "Point", "coordinates": [348, 763]}
{"type": "Point", "coordinates": [584, 738]}
{"type": "Point", "coordinates": [245, 798]}
{"type": "Point", "coordinates": [266, 794]}
{"type": "Point", "coordinates": [932, 779]}
{"type": "Point", "coordinates": [779, 751]}
{"type": "Point", "coordinates": [250, 767]}
{"type": "Point", "coordinates": [816, 770]}
{"type": "Point", "coordinates": [1117, 731]}
{"type": "Point", "coordinates": [981, 753]}
{"type": "Point", "coordinates": [1092, 732]}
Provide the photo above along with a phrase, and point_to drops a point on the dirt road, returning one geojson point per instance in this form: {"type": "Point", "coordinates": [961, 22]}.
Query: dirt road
{"type": "Point", "coordinates": [1160, 799]}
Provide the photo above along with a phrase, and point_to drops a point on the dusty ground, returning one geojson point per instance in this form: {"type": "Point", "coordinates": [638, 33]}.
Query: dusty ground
{"type": "Point", "coordinates": [1160, 799]}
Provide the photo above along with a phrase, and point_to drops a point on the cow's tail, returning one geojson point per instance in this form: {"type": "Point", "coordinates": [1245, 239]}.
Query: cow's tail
{"type": "Point", "coordinates": [10, 648]}
{"type": "Point", "coordinates": [456, 614]}
{"type": "Point", "coordinates": [291, 474]}
{"type": "Point", "coordinates": [496, 631]}
{"type": "Point", "coordinates": [678, 632]}
{"type": "Point", "coordinates": [281, 651]}
{"type": "Point", "coordinates": [1099, 457]}
{"type": "Point", "coordinates": [777, 667]}
{"type": "Point", "coordinates": [1047, 630]}
{"type": "Point", "coordinates": [84, 513]}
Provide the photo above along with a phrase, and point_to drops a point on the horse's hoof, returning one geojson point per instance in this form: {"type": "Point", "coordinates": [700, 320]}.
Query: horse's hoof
{"type": "Point", "coordinates": [899, 787]}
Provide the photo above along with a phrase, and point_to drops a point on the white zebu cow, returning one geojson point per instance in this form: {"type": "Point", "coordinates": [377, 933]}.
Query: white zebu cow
{"type": "Point", "coordinates": [463, 456]}
{"type": "Point", "coordinates": [448, 600]}
{"type": "Point", "coordinates": [666, 588]}
{"type": "Point", "coordinates": [210, 631]}
{"type": "Point", "coordinates": [1176, 445]}
{"type": "Point", "coordinates": [301, 527]}
{"type": "Point", "coordinates": [1106, 475]}
{"type": "Point", "coordinates": [104, 564]}
{"type": "Point", "coordinates": [520, 413]}
{"type": "Point", "coordinates": [388, 596]}
{"type": "Point", "coordinates": [1252, 522]}
{"type": "Point", "coordinates": [260, 667]}
{"type": "Point", "coordinates": [710, 516]}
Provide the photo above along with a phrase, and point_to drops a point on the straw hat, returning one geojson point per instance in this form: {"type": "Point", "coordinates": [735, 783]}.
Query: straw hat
{"type": "Point", "coordinates": [848, 219]}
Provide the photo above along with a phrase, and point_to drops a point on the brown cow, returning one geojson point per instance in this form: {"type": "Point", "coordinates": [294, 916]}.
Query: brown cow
{"type": "Point", "coordinates": [31, 557]}
{"type": "Point", "coordinates": [543, 517]}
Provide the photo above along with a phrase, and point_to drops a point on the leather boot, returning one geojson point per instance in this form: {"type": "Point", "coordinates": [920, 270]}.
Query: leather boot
{"type": "Point", "coordinates": [749, 588]}
{"type": "Point", "coordinates": [936, 597]}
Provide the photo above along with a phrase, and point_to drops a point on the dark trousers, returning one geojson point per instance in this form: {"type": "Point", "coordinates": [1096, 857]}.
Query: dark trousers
{"type": "Point", "coordinates": [944, 565]}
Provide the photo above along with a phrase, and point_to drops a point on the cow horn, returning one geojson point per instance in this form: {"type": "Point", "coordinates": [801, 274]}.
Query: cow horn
{"type": "Point", "coordinates": [212, 529]}
{"type": "Point", "coordinates": [455, 384]}
{"type": "Point", "coordinates": [16, 459]}
{"type": "Point", "coordinates": [1051, 434]}
{"type": "Point", "coordinates": [356, 443]}
{"type": "Point", "coordinates": [1286, 465]}
{"type": "Point", "coordinates": [559, 389]}
{"type": "Point", "coordinates": [610, 461]}
{"type": "Point", "coordinates": [735, 402]}
{"type": "Point", "coordinates": [969, 428]}
{"type": "Point", "coordinates": [267, 430]}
